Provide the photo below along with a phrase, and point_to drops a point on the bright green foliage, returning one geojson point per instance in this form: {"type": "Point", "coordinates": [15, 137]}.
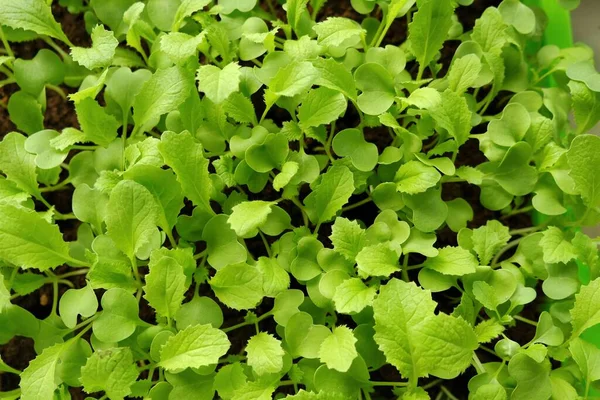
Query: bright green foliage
{"type": "Point", "coordinates": [338, 350]}
{"type": "Point", "coordinates": [265, 354]}
{"type": "Point", "coordinates": [112, 371]}
{"type": "Point", "coordinates": [282, 199]}
{"type": "Point", "coordinates": [102, 51]}
{"type": "Point", "coordinates": [195, 346]}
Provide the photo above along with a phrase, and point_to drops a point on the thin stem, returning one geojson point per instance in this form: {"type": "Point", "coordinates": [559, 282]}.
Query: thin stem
{"type": "Point", "coordinates": [329, 141]}
{"type": "Point", "coordinates": [448, 393]}
{"type": "Point", "coordinates": [477, 364]}
{"type": "Point", "coordinates": [54, 297]}
{"type": "Point", "coordinates": [375, 383]}
{"type": "Point", "coordinates": [404, 271]}
{"type": "Point", "coordinates": [44, 202]}
{"type": "Point", "coordinates": [506, 248]}
{"type": "Point", "coordinates": [82, 271]}
{"type": "Point", "coordinates": [6, 45]}
{"type": "Point", "coordinates": [58, 186]}
{"type": "Point", "coordinates": [524, 231]}
{"type": "Point", "coordinates": [357, 204]}
{"type": "Point", "coordinates": [58, 90]}
{"type": "Point", "coordinates": [266, 243]}
{"type": "Point", "coordinates": [82, 324]}
{"type": "Point", "coordinates": [517, 212]}
{"type": "Point", "coordinates": [526, 320]}
{"type": "Point", "coordinates": [201, 254]}
{"type": "Point", "coordinates": [63, 217]}
{"type": "Point", "coordinates": [271, 8]}
{"type": "Point", "coordinates": [432, 384]}
{"type": "Point", "coordinates": [124, 140]}
{"type": "Point", "coordinates": [245, 323]}
{"type": "Point", "coordinates": [138, 279]}
{"type": "Point", "coordinates": [171, 238]}
{"type": "Point", "coordinates": [56, 47]}
{"type": "Point", "coordinates": [301, 207]}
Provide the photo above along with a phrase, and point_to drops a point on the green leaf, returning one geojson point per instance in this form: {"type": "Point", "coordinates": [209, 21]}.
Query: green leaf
{"type": "Point", "coordinates": [330, 195]}
{"type": "Point", "coordinates": [514, 174]}
{"type": "Point", "coordinates": [17, 164]}
{"type": "Point", "coordinates": [447, 345]}
{"type": "Point", "coordinates": [47, 157]}
{"type": "Point", "coordinates": [131, 217]}
{"type": "Point", "coordinates": [453, 115]}
{"type": "Point", "coordinates": [45, 68]}
{"type": "Point", "coordinates": [377, 86]}
{"type": "Point", "coordinates": [429, 210]}
{"type": "Point", "coordinates": [101, 53]}
{"type": "Point", "coordinates": [490, 31]}
{"type": "Point", "coordinates": [337, 31]}
{"type": "Point", "coordinates": [586, 106]}
{"type": "Point", "coordinates": [31, 15]}
{"type": "Point", "coordinates": [294, 11]}
{"type": "Point", "coordinates": [352, 296]}
{"type": "Point", "coordinates": [180, 46]}
{"type": "Point", "coordinates": [97, 125]}
{"type": "Point", "coordinates": [162, 184]}
{"type": "Point", "coordinates": [112, 371]}
{"type": "Point", "coordinates": [221, 242]}
{"type": "Point", "coordinates": [489, 239]}
{"type": "Point", "coordinates": [186, 157]}
{"type": "Point", "coordinates": [533, 378]}
{"type": "Point", "coordinates": [265, 354]}
{"type": "Point", "coordinates": [238, 286]}
{"type": "Point", "coordinates": [38, 380]}
{"type": "Point", "coordinates": [587, 357]}
{"type": "Point", "coordinates": [488, 330]}
{"type": "Point", "coordinates": [321, 107]}
{"type": "Point", "coordinates": [199, 311]}
{"type": "Point", "coordinates": [429, 29]}
{"type": "Point", "coordinates": [165, 287]}
{"type": "Point", "coordinates": [511, 127]}
{"type": "Point", "coordinates": [584, 158]}
{"type": "Point", "coordinates": [119, 317]}
{"type": "Point", "coordinates": [288, 170]}
{"type": "Point", "coordinates": [453, 261]}
{"type": "Point", "coordinates": [240, 108]}
{"type": "Point", "coordinates": [347, 237]}
{"type": "Point", "coordinates": [464, 73]}
{"type": "Point", "coordinates": [28, 240]}
{"type": "Point", "coordinates": [218, 83]}
{"type": "Point", "coordinates": [378, 260]}
{"type": "Point", "coordinates": [398, 310]}
{"type": "Point", "coordinates": [25, 111]}
{"type": "Point", "coordinates": [195, 346]}
{"type": "Point", "coordinates": [556, 248]}
{"type": "Point", "coordinates": [517, 14]}
{"type": "Point", "coordinates": [76, 302]}
{"type": "Point", "coordinates": [335, 76]}
{"type": "Point", "coordinates": [248, 216]}
{"type": "Point", "coordinates": [270, 153]}
{"type": "Point", "coordinates": [415, 177]}
{"type": "Point", "coordinates": [275, 278]}
{"type": "Point", "coordinates": [586, 312]}
{"type": "Point", "coordinates": [351, 143]}
{"type": "Point", "coordinates": [293, 79]}
{"type": "Point", "coordinates": [186, 9]}
{"type": "Point", "coordinates": [162, 93]}
{"type": "Point", "coordinates": [338, 350]}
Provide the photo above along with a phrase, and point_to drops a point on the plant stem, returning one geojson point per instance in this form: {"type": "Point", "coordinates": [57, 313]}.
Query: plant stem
{"type": "Point", "coordinates": [58, 186]}
{"type": "Point", "coordinates": [301, 207]}
{"type": "Point", "coordinates": [138, 279]}
{"type": "Point", "coordinates": [508, 246]}
{"type": "Point", "coordinates": [56, 47]}
{"type": "Point", "coordinates": [477, 364]}
{"type": "Point", "coordinates": [6, 45]}
{"type": "Point", "coordinates": [357, 204]}
{"type": "Point", "coordinates": [404, 271]}
{"type": "Point", "coordinates": [524, 231]}
{"type": "Point", "coordinates": [58, 90]}
{"type": "Point", "coordinates": [54, 296]}
{"type": "Point", "coordinates": [448, 393]}
{"type": "Point", "coordinates": [201, 254]}
{"type": "Point", "coordinates": [171, 238]}
{"type": "Point", "coordinates": [517, 212]}
{"type": "Point", "coordinates": [526, 320]}
{"type": "Point", "coordinates": [375, 383]}
{"type": "Point", "coordinates": [246, 323]}
{"type": "Point", "coordinates": [266, 243]}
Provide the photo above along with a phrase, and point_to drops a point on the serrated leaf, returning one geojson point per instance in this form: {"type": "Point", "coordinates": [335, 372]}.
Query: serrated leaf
{"type": "Point", "coordinates": [195, 346]}
{"type": "Point", "coordinates": [265, 354]}
{"type": "Point", "coordinates": [218, 83]}
{"type": "Point", "coordinates": [97, 125]}
{"type": "Point", "coordinates": [101, 53]}
{"type": "Point", "coordinates": [347, 237]}
{"type": "Point", "coordinates": [38, 380]}
{"type": "Point", "coordinates": [489, 239]}
{"type": "Point", "coordinates": [165, 287]}
{"type": "Point", "coordinates": [335, 31]}
{"type": "Point", "coordinates": [28, 240]}
{"type": "Point", "coordinates": [238, 286]}
{"type": "Point", "coordinates": [453, 261]}
{"type": "Point", "coordinates": [378, 260]}
{"type": "Point", "coordinates": [352, 296]}
{"type": "Point", "coordinates": [112, 371]}
{"type": "Point", "coordinates": [321, 107]}
{"type": "Point", "coordinates": [556, 248]}
{"type": "Point", "coordinates": [488, 330]}
{"type": "Point", "coordinates": [586, 312]}
{"type": "Point", "coordinates": [17, 164]}
{"type": "Point", "coordinates": [584, 158]}
{"type": "Point", "coordinates": [416, 177]}
{"type": "Point", "coordinates": [246, 217]}
{"type": "Point", "coordinates": [131, 217]}
{"type": "Point", "coordinates": [338, 350]}
{"type": "Point", "coordinates": [186, 157]}
{"type": "Point", "coordinates": [31, 15]}
{"type": "Point", "coordinates": [327, 198]}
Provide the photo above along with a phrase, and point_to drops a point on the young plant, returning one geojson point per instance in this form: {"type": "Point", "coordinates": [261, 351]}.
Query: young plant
{"type": "Point", "coordinates": [266, 203]}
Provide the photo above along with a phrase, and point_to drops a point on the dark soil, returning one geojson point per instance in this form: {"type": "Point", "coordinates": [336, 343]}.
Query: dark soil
{"type": "Point", "coordinates": [60, 114]}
